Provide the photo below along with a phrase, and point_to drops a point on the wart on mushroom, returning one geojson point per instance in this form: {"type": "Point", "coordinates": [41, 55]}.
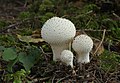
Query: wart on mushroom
{"type": "Point", "coordinates": [58, 32]}
{"type": "Point", "coordinates": [82, 45]}
{"type": "Point", "coordinates": [67, 57]}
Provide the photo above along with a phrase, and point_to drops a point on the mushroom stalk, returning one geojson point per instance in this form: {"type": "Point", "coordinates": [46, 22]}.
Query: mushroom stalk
{"type": "Point", "coordinates": [82, 45]}
{"type": "Point", "coordinates": [83, 57]}
{"type": "Point", "coordinates": [71, 64]}
{"type": "Point", "coordinates": [57, 49]}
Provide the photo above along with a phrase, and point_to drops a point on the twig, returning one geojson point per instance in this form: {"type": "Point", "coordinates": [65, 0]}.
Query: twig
{"type": "Point", "coordinates": [116, 16]}
{"type": "Point", "coordinates": [2, 77]}
{"type": "Point", "coordinates": [12, 25]}
{"type": "Point", "coordinates": [41, 49]}
{"type": "Point", "coordinates": [88, 22]}
{"type": "Point", "coordinates": [88, 79]}
{"type": "Point", "coordinates": [91, 30]}
{"type": "Point", "coordinates": [53, 78]}
{"type": "Point", "coordinates": [109, 45]}
{"type": "Point", "coordinates": [100, 77]}
{"type": "Point", "coordinates": [63, 78]}
{"type": "Point", "coordinates": [45, 54]}
{"type": "Point", "coordinates": [100, 42]}
{"type": "Point", "coordinates": [48, 53]}
{"type": "Point", "coordinates": [95, 39]}
{"type": "Point", "coordinates": [39, 79]}
{"type": "Point", "coordinates": [16, 24]}
{"type": "Point", "coordinates": [108, 77]}
{"type": "Point", "coordinates": [93, 74]}
{"type": "Point", "coordinates": [89, 12]}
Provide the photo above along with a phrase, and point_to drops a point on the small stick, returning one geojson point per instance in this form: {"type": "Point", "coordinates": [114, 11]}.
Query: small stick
{"type": "Point", "coordinates": [14, 25]}
{"type": "Point", "coordinates": [88, 22]}
{"type": "Point", "coordinates": [93, 74]}
{"type": "Point", "coordinates": [63, 78]}
{"type": "Point", "coordinates": [116, 15]}
{"type": "Point", "coordinates": [45, 55]}
{"type": "Point", "coordinates": [91, 30]}
{"type": "Point", "coordinates": [40, 79]}
{"type": "Point", "coordinates": [100, 42]}
{"type": "Point", "coordinates": [53, 78]}
{"type": "Point", "coordinates": [10, 27]}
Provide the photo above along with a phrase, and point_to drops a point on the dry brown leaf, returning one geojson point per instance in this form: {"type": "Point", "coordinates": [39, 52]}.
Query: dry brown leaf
{"type": "Point", "coordinates": [36, 33]}
{"type": "Point", "coordinates": [29, 39]}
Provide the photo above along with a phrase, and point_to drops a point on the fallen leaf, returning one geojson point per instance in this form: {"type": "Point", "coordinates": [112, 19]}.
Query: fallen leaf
{"type": "Point", "coordinates": [29, 39]}
{"type": "Point", "coordinates": [36, 33]}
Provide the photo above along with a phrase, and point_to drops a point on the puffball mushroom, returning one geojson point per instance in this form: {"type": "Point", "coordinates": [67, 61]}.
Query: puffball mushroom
{"type": "Point", "coordinates": [82, 45]}
{"type": "Point", "coordinates": [67, 57]}
{"type": "Point", "coordinates": [58, 32]}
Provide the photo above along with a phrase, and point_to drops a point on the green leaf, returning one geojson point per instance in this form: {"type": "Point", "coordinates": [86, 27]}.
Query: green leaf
{"type": "Point", "coordinates": [1, 50]}
{"type": "Point", "coordinates": [17, 81]}
{"type": "Point", "coordinates": [35, 52]}
{"type": "Point", "coordinates": [27, 60]}
{"type": "Point", "coordinates": [9, 54]}
{"type": "Point", "coordinates": [11, 64]}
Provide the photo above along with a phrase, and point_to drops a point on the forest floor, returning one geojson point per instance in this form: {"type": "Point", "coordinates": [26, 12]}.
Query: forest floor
{"type": "Point", "coordinates": [56, 72]}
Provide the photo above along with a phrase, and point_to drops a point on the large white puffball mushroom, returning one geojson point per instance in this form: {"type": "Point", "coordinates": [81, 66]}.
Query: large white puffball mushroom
{"type": "Point", "coordinates": [67, 57]}
{"type": "Point", "coordinates": [58, 32]}
{"type": "Point", "coordinates": [82, 45]}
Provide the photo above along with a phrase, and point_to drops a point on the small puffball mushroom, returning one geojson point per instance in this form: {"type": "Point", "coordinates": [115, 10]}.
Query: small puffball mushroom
{"type": "Point", "coordinates": [58, 32]}
{"type": "Point", "coordinates": [82, 45]}
{"type": "Point", "coordinates": [67, 57]}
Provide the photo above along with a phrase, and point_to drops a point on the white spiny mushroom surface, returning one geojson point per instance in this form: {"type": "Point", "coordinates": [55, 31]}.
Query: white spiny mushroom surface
{"type": "Point", "coordinates": [82, 45]}
{"type": "Point", "coordinates": [58, 32]}
{"type": "Point", "coordinates": [67, 57]}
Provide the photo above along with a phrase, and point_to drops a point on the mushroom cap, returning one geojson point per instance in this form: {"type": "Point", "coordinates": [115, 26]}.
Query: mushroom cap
{"type": "Point", "coordinates": [82, 44]}
{"type": "Point", "coordinates": [66, 56]}
{"type": "Point", "coordinates": [58, 30]}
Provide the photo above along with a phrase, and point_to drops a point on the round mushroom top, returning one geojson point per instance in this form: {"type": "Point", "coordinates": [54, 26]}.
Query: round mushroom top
{"type": "Point", "coordinates": [58, 30]}
{"type": "Point", "coordinates": [66, 56]}
{"type": "Point", "coordinates": [82, 43]}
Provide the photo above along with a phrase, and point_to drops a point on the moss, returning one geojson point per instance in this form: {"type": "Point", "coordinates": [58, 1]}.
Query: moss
{"type": "Point", "coordinates": [3, 23]}
{"type": "Point", "coordinates": [109, 61]}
